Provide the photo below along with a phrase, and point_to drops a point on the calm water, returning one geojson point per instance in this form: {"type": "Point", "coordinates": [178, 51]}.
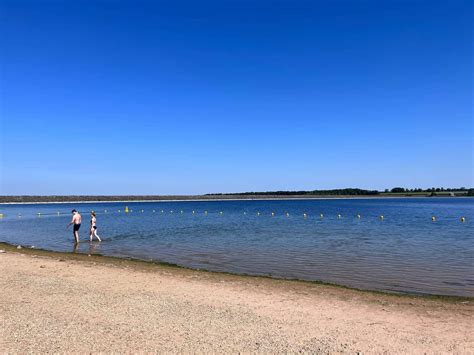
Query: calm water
{"type": "Point", "coordinates": [405, 252]}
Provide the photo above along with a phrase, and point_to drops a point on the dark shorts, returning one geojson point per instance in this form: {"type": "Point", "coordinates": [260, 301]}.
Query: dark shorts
{"type": "Point", "coordinates": [76, 227]}
{"type": "Point", "coordinates": [95, 227]}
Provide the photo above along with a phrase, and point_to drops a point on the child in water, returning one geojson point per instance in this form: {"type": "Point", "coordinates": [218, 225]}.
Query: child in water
{"type": "Point", "coordinates": [93, 232]}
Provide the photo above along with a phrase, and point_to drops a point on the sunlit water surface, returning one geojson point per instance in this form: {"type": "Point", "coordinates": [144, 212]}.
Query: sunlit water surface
{"type": "Point", "coordinates": [405, 252]}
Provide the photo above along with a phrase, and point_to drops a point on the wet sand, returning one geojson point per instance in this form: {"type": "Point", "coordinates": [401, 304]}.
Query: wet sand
{"type": "Point", "coordinates": [59, 302]}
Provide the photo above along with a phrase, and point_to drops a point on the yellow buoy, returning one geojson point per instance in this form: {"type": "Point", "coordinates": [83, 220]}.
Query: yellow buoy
{"type": "Point", "coordinates": [433, 218]}
{"type": "Point", "coordinates": [126, 209]}
{"type": "Point", "coordinates": [463, 219]}
{"type": "Point", "coordinates": [1, 215]}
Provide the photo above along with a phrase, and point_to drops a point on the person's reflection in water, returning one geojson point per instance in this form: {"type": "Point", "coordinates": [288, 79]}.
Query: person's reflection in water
{"type": "Point", "coordinates": [92, 247]}
{"type": "Point", "coordinates": [75, 248]}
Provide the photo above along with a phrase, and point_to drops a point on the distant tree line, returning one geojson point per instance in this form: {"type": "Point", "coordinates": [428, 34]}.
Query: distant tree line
{"type": "Point", "coordinates": [336, 192]}
{"type": "Point", "coordinates": [432, 189]}
{"type": "Point", "coordinates": [349, 192]}
{"type": "Point", "coordinates": [267, 194]}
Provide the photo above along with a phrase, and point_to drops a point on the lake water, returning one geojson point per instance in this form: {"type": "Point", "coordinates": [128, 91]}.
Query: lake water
{"type": "Point", "coordinates": [405, 252]}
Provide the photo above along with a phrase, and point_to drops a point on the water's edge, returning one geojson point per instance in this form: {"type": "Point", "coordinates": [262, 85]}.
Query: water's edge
{"type": "Point", "coordinates": [136, 261]}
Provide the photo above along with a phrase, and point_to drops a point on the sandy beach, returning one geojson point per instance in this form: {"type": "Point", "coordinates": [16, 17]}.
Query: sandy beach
{"type": "Point", "coordinates": [53, 302]}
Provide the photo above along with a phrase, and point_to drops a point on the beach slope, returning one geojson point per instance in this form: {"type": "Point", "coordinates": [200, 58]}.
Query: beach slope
{"type": "Point", "coordinates": [53, 302]}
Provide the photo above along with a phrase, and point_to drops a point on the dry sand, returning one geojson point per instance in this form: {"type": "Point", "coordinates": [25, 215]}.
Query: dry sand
{"type": "Point", "coordinates": [67, 303]}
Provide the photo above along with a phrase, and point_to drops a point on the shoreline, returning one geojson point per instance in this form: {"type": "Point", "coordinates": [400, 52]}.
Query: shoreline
{"type": "Point", "coordinates": [60, 302]}
{"type": "Point", "coordinates": [293, 198]}
{"type": "Point", "coordinates": [150, 264]}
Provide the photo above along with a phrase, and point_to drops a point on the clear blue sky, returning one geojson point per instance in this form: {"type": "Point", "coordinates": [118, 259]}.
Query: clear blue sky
{"type": "Point", "coordinates": [188, 97]}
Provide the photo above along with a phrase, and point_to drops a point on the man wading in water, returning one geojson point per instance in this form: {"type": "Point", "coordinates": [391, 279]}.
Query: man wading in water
{"type": "Point", "coordinates": [76, 221]}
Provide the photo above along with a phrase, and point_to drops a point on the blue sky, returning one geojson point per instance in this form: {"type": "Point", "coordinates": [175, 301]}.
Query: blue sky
{"type": "Point", "coordinates": [186, 97]}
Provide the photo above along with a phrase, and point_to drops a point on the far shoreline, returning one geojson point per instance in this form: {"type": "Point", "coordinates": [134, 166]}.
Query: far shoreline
{"type": "Point", "coordinates": [220, 199]}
